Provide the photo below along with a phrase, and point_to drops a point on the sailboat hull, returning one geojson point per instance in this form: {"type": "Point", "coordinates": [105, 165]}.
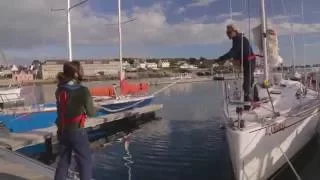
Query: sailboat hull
{"type": "Point", "coordinates": [261, 143]}
{"type": "Point", "coordinates": [26, 119]}
{"type": "Point", "coordinates": [125, 104]}
{"type": "Point", "coordinates": [257, 154]}
{"type": "Point", "coordinates": [258, 150]}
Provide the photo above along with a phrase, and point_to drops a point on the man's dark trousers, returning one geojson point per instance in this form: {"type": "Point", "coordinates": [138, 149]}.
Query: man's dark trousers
{"type": "Point", "coordinates": [248, 80]}
{"type": "Point", "coordinates": [74, 141]}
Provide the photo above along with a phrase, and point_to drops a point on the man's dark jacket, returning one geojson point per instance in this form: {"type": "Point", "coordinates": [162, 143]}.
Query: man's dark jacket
{"type": "Point", "coordinates": [235, 51]}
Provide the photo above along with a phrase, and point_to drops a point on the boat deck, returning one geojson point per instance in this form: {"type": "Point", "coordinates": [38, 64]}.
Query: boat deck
{"type": "Point", "coordinates": [284, 102]}
{"type": "Point", "coordinates": [14, 166]}
{"type": "Point", "coordinates": [15, 141]}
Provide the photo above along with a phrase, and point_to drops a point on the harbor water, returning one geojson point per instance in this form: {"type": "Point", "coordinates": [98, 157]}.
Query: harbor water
{"type": "Point", "coordinates": [185, 143]}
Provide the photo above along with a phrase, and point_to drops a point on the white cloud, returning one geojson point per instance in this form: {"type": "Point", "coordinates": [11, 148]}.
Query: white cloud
{"type": "Point", "coordinates": [29, 23]}
{"type": "Point", "coordinates": [197, 3]}
{"type": "Point", "coordinates": [225, 16]}
{"type": "Point", "coordinates": [181, 10]}
{"type": "Point", "coordinates": [200, 20]}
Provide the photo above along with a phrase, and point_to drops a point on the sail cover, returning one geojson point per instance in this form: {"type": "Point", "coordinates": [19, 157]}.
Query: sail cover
{"type": "Point", "coordinates": [274, 59]}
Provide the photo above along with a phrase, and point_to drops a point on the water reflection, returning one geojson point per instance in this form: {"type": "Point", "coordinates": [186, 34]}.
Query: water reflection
{"type": "Point", "coordinates": [128, 156]}
{"type": "Point", "coordinates": [178, 89]}
{"type": "Point", "coordinates": [185, 144]}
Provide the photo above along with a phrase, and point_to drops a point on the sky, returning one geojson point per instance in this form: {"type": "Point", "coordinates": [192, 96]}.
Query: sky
{"type": "Point", "coordinates": [153, 28]}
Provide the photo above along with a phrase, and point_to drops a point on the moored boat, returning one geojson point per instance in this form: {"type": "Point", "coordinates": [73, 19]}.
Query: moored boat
{"type": "Point", "coordinates": [266, 136]}
{"type": "Point", "coordinates": [26, 118]}
{"type": "Point", "coordinates": [260, 139]}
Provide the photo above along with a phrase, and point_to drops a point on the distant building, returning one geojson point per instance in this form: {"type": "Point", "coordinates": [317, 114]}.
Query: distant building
{"type": "Point", "coordinates": [227, 64]}
{"type": "Point", "coordinates": [142, 65]}
{"type": "Point", "coordinates": [126, 65]}
{"type": "Point", "coordinates": [214, 65]}
{"type": "Point", "coordinates": [14, 68]}
{"type": "Point", "coordinates": [22, 76]}
{"type": "Point", "coordinates": [187, 66]}
{"type": "Point", "coordinates": [36, 68]}
{"type": "Point", "coordinates": [163, 64]}
{"type": "Point", "coordinates": [181, 62]}
{"type": "Point", "coordinates": [5, 73]}
{"type": "Point", "coordinates": [152, 65]}
{"type": "Point", "coordinates": [50, 68]}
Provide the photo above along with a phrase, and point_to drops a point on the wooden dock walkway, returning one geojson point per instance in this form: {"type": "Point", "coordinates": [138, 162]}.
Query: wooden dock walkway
{"type": "Point", "coordinates": [15, 141]}
{"type": "Point", "coordinates": [14, 166]}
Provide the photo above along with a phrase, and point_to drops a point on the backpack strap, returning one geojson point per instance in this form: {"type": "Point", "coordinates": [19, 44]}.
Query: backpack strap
{"type": "Point", "coordinates": [62, 103]}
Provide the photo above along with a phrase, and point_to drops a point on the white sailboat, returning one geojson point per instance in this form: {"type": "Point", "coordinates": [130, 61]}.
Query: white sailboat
{"type": "Point", "coordinates": [116, 103]}
{"type": "Point", "coordinates": [263, 139]}
{"type": "Point", "coordinates": [129, 93]}
{"type": "Point", "coordinates": [10, 94]}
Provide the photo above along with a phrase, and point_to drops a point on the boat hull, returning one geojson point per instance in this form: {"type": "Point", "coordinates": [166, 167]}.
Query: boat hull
{"type": "Point", "coordinates": [257, 154]}
{"type": "Point", "coordinates": [126, 104]}
{"type": "Point", "coordinates": [9, 94]}
{"type": "Point", "coordinates": [45, 116]}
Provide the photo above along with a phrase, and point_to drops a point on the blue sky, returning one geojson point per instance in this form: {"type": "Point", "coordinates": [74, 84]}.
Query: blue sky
{"type": "Point", "coordinates": [171, 28]}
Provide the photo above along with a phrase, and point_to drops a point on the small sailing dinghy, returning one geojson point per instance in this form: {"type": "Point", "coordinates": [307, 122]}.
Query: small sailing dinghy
{"type": "Point", "coordinates": [132, 95]}
{"type": "Point", "coordinates": [263, 139]}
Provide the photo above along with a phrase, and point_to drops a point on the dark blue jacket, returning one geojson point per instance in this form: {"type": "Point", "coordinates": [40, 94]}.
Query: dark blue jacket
{"type": "Point", "coordinates": [235, 51]}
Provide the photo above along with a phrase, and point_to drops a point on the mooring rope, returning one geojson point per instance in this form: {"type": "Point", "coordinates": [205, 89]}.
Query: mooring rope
{"type": "Point", "coordinates": [290, 164]}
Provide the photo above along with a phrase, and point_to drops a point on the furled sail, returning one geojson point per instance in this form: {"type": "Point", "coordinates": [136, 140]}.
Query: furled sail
{"type": "Point", "coordinates": [274, 59]}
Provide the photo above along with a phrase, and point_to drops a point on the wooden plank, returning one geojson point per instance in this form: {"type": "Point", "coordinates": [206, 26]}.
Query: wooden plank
{"type": "Point", "coordinates": [15, 141]}
{"type": "Point", "coordinates": [16, 166]}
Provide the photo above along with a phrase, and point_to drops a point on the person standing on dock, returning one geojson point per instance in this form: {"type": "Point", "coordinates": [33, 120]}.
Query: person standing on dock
{"type": "Point", "coordinates": [74, 103]}
{"type": "Point", "coordinates": [241, 50]}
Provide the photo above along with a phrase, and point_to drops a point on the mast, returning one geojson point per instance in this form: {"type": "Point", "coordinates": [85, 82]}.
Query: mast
{"type": "Point", "coordinates": [69, 31]}
{"type": "Point", "coordinates": [293, 49]}
{"type": "Point", "coordinates": [120, 39]}
{"type": "Point", "coordinates": [304, 42]}
{"type": "Point", "coordinates": [264, 40]}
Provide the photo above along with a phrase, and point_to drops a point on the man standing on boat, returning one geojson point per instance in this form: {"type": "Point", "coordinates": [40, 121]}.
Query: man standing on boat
{"type": "Point", "coordinates": [241, 50]}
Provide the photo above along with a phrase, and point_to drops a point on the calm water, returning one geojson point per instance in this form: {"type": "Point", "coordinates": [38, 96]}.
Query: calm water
{"type": "Point", "coordinates": [186, 143]}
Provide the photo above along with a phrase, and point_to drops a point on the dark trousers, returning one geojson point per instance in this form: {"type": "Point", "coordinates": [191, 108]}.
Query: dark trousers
{"type": "Point", "coordinates": [74, 141]}
{"type": "Point", "coordinates": [248, 80]}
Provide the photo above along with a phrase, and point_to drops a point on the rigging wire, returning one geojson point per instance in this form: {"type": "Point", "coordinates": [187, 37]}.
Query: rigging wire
{"type": "Point", "coordinates": [272, 8]}
{"type": "Point", "coordinates": [304, 41]}
{"type": "Point", "coordinates": [230, 10]}
{"type": "Point", "coordinates": [292, 39]}
{"type": "Point", "coordinates": [244, 5]}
